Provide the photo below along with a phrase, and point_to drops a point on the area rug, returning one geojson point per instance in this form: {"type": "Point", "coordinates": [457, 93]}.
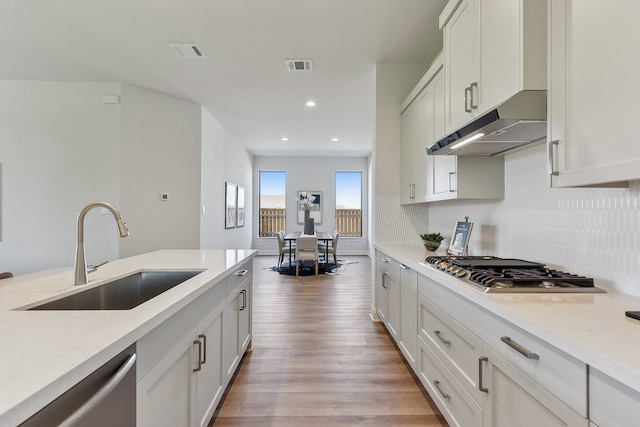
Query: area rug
{"type": "Point", "coordinates": [308, 269]}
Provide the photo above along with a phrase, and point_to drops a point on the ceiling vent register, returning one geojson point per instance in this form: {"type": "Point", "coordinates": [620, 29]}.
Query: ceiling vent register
{"type": "Point", "coordinates": [188, 50]}
{"type": "Point", "coordinates": [299, 64]}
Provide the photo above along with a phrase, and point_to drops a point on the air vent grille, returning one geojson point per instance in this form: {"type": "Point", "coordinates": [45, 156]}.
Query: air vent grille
{"type": "Point", "coordinates": [188, 50]}
{"type": "Point", "coordinates": [299, 64]}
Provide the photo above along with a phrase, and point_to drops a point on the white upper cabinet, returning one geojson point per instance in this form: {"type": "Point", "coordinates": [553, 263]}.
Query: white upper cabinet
{"type": "Point", "coordinates": [493, 49]}
{"type": "Point", "coordinates": [593, 92]}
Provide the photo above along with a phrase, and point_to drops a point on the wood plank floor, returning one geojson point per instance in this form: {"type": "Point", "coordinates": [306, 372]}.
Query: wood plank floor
{"type": "Point", "coordinates": [319, 360]}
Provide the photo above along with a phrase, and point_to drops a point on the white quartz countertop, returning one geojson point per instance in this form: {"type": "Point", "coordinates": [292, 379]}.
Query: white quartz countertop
{"type": "Point", "coordinates": [590, 327]}
{"type": "Point", "coordinates": [44, 353]}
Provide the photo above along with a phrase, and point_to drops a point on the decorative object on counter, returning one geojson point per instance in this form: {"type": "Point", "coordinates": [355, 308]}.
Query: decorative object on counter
{"type": "Point", "coordinates": [432, 241]}
{"type": "Point", "coordinates": [240, 207]}
{"type": "Point", "coordinates": [460, 240]}
{"type": "Point", "coordinates": [230, 205]}
{"type": "Point", "coordinates": [309, 201]}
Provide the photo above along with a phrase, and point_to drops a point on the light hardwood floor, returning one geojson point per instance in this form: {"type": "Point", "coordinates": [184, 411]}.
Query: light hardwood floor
{"type": "Point", "coordinates": [319, 360]}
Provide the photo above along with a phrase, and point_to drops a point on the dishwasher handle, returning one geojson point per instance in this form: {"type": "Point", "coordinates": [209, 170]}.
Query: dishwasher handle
{"type": "Point", "coordinates": [102, 393]}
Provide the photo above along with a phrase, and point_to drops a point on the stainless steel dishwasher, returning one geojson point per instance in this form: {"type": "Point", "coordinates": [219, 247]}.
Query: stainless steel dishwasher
{"type": "Point", "coordinates": [107, 397]}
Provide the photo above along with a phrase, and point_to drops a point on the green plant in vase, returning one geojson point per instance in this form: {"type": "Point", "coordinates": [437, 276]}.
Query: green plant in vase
{"type": "Point", "coordinates": [432, 241]}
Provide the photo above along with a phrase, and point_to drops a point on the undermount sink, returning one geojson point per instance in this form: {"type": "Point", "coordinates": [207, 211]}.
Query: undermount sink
{"type": "Point", "coordinates": [121, 294]}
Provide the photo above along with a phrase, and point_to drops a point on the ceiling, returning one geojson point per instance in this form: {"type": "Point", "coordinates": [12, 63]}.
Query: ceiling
{"type": "Point", "coordinates": [243, 80]}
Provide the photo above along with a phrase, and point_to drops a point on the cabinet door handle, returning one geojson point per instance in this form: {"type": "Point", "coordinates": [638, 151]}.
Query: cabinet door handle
{"type": "Point", "coordinates": [439, 335]}
{"type": "Point", "coordinates": [241, 272]}
{"type": "Point", "coordinates": [467, 90]}
{"type": "Point", "coordinates": [199, 362]}
{"type": "Point", "coordinates": [481, 386]}
{"type": "Point", "coordinates": [450, 181]}
{"type": "Point", "coordinates": [384, 280]}
{"type": "Point", "coordinates": [520, 349]}
{"type": "Point", "coordinates": [204, 344]}
{"type": "Point", "coordinates": [404, 267]}
{"type": "Point", "coordinates": [550, 167]}
{"type": "Point", "coordinates": [443, 394]}
{"type": "Point", "coordinates": [102, 393]}
{"type": "Point", "coordinates": [474, 84]}
{"type": "Point", "coordinates": [244, 299]}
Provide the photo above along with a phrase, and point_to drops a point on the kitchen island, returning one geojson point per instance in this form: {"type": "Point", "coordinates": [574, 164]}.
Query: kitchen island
{"type": "Point", "coordinates": [45, 353]}
{"type": "Point", "coordinates": [580, 349]}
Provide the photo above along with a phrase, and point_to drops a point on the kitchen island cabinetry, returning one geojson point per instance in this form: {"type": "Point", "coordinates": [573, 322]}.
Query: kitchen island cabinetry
{"type": "Point", "coordinates": [591, 124]}
{"type": "Point", "coordinates": [493, 49]}
{"type": "Point", "coordinates": [187, 361]}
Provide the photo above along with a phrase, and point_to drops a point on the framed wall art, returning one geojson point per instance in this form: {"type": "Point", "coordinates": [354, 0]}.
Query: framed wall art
{"type": "Point", "coordinates": [230, 205]}
{"type": "Point", "coordinates": [460, 238]}
{"type": "Point", "coordinates": [240, 207]}
{"type": "Point", "coordinates": [316, 210]}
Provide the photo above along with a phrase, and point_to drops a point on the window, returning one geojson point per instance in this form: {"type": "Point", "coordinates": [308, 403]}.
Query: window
{"type": "Point", "coordinates": [273, 189]}
{"type": "Point", "coordinates": [349, 204]}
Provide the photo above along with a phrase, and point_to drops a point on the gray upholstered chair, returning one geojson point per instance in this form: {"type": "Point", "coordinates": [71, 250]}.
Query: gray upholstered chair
{"type": "Point", "coordinates": [333, 248]}
{"type": "Point", "coordinates": [283, 247]}
{"type": "Point", "coordinates": [306, 250]}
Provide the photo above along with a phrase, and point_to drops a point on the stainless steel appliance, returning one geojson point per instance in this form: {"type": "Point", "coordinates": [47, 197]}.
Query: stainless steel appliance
{"type": "Point", "coordinates": [492, 274]}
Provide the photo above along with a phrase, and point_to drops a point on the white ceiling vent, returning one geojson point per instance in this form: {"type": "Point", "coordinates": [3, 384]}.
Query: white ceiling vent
{"type": "Point", "coordinates": [299, 64]}
{"type": "Point", "coordinates": [188, 50]}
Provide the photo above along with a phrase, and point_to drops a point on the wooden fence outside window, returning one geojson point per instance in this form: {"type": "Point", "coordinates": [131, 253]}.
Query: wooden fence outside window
{"type": "Point", "coordinates": [348, 222]}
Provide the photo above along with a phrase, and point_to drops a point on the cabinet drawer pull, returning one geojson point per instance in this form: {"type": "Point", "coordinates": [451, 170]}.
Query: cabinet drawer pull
{"type": "Point", "coordinates": [550, 167]}
{"type": "Point", "coordinates": [437, 384]}
{"type": "Point", "coordinates": [199, 363]}
{"type": "Point", "coordinates": [384, 259]}
{"type": "Point", "coordinates": [204, 343]}
{"type": "Point", "coordinates": [444, 341]}
{"type": "Point", "coordinates": [481, 386]}
{"type": "Point", "coordinates": [467, 91]}
{"type": "Point", "coordinates": [244, 299]}
{"type": "Point", "coordinates": [404, 267]}
{"type": "Point", "coordinates": [384, 280]}
{"type": "Point", "coordinates": [519, 348]}
{"type": "Point", "coordinates": [474, 84]}
{"type": "Point", "coordinates": [241, 272]}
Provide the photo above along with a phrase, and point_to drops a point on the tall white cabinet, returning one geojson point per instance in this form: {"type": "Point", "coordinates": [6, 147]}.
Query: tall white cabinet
{"type": "Point", "coordinates": [593, 92]}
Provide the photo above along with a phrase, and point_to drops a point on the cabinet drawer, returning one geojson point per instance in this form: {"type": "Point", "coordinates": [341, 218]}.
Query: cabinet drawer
{"type": "Point", "coordinates": [457, 348]}
{"type": "Point", "coordinates": [388, 265]}
{"type": "Point", "coordinates": [561, 374]}
{"type": "Point", "coordinates": [612, 403]}
{"type": "Point", "coordinates": [239, 276]}
{"type": "Point", "coordinates": [457, 406]}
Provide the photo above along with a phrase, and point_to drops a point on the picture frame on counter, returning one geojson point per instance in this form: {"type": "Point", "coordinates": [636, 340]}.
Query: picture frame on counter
{"type": "Point", "coordinates": [460, 238]}
{"type": "Point", "coordinates": [230, 205]}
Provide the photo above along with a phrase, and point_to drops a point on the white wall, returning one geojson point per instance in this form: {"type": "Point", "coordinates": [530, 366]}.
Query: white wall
{"type": "Point", "coordinates": [315, 174]}
{"type": "Point", "coordinates": [587, 231]}
{"type": "Point", "coordinates": [223, 159]}
{"type": "Point", "coordinates": [393, 224]}
{"type": "Point", "coordinates": [58, 152]}
{"type": "Point", "coordinates": [160, 153]}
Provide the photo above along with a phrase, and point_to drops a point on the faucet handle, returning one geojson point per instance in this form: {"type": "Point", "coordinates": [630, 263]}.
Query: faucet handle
{"type": "Point", "coordinates": [94, 267]}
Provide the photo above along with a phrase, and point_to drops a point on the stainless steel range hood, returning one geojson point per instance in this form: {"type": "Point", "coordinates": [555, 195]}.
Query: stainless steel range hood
{"type": "Point", "coordinates": [519, 121]}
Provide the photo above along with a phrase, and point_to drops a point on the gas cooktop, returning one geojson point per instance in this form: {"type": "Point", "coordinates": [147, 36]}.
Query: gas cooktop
{"type": "Point", "coordinates": [493, 274]}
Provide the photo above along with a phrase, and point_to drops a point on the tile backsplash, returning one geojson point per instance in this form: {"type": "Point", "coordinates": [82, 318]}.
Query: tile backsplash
{"type": "Point", "coordinates": [593, 232]}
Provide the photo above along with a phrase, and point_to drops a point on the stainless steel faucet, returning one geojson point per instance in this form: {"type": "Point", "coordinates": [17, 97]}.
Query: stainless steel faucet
{"type": "Point", "coordinates": [80, 266]}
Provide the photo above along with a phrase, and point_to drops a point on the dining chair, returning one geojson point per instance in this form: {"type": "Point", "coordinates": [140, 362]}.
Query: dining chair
{"type": "Point", "coordinates": [283, 247]}
{"type": "Point", "coordinates": [333, 248]}
{"type": "Point", "coordinates": [306, 250]}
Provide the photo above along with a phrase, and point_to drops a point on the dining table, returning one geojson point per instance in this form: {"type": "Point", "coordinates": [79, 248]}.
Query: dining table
{"type": "Point", "coordinates": [322, 236]}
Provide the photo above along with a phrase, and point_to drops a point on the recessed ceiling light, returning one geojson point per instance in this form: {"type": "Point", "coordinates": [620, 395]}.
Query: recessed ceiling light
{"type": "Point", "coordinates": [310, 104]}
{"type": "Point", "coordinates": [335, 139]}
{"type": "Point", "coordinates": [284, 138]}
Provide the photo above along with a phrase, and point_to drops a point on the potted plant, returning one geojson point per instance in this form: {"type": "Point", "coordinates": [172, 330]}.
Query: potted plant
{"type": "Point", "coordinates": [432, 240]}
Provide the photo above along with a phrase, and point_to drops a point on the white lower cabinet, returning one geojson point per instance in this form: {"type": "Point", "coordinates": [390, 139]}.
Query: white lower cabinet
{"type": "Point", "coordinates": [185, 364]}
{"type": "Point", "coordinates": [409, 314]}
{"type": "Point", "coordinates": [516, 399]}
{"type": "Point", "coordinates": [612, 404]}
{"type": "Point", "coordinates": [483, 371]}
